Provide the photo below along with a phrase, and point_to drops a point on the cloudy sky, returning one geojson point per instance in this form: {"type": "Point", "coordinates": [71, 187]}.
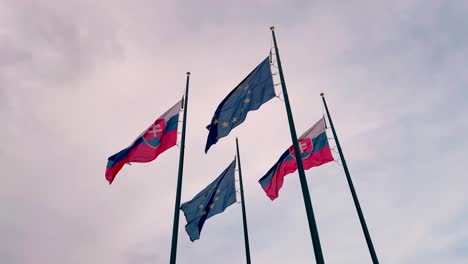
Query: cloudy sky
{"type": "Point", "coordinates": [79, 80]}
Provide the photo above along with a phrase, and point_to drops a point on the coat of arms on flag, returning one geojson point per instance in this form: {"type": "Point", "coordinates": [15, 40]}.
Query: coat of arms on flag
{"type": "Point", "coordinates": [159, 137]}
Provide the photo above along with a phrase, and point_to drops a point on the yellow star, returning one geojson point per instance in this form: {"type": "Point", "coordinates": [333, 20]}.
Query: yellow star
{"type": "Point", "coordinates": [215, 121]}
{"type": "Point", "coordinates": [212, 206]}
{"type": "Point", "coordinates": [203, 213]}
{"type": "Point", "coordinates": [201, 206]}
{"type": "Point", "coordinates": [225, 124]}
{"type": "Point", "coordinates": [218, 191]}
{"type": "Point", "coordinates": [242, 110]}
{"type": "Point", "coordinates": [234, 119]}
{"type": "Point", "coordinates": [216, 198]}
{"type": "Point", "coordinates": [247, 100]}
{"type": "Point", "coordinates": [249, 91]}
{"type": "Point", "coordinates": [246, 88]}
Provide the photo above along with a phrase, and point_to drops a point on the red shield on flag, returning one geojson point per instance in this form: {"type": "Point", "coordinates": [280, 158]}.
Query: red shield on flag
{"type": "Point", "coordinates": [153, 134]}
{"type": "Point", "coordinates": [305, 146]}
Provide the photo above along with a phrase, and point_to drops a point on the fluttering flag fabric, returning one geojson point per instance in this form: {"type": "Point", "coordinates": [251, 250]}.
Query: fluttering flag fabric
{"type": "Point", "coordinates": [315, 151]}
{"type": "Point", "coordinates": [214, 199]}
{"type": "Point", "coordinates": [160, 136]}
{"type": "Point", "coordinates": [256, 89]}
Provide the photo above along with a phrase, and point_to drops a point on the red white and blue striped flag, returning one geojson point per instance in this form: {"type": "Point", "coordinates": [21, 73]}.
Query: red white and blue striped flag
{"type": "Point", "coordinates": [157, 138]}
{"type": "Point", "coordinates": [315, 151]}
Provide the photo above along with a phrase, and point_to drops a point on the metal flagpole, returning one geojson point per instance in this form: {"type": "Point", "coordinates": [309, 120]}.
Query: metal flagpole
{"type": "Point", "coordinates": [351, 187]}
{"type": "Point", "coordinates": [300, 168]}
{"type": "Point", "coordinates": [244, 215]}
{"type": "Point", "coordinates": [175, 227]}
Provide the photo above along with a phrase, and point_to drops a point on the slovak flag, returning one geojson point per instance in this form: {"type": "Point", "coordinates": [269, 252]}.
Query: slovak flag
{"type": "Point", "coordinates": [160, 136]}
{"type": "Point", "coordinates": [315, 151]}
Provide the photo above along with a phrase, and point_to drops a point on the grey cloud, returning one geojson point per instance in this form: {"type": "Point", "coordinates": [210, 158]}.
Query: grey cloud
{"type": "Point", "coordinates": [54, 41]}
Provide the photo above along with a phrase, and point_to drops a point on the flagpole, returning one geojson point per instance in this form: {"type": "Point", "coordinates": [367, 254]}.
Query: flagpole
{"type": "Point", "coordinates": [244, 215]}
{"type": "Point", "coordinates": [175, 227]}
{"type": "Point", "coordinates": [351, 187]}
{"type": "Point", "coordinates": [305, 189]}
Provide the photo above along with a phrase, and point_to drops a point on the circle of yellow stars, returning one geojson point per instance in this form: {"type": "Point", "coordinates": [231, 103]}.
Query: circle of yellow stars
{"type": "Point", "coordinates": [201, 206]}
{"type": "Point", "coordinates": [235, 119]}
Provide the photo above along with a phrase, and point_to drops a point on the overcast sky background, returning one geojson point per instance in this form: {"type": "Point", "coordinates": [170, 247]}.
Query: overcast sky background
{"type": "Point", "coordinates": [79, 80]}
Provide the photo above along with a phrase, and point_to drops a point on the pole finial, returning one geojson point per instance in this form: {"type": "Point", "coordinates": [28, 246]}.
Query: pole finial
{"type": "Point", "coordinates": [188, 73]}
{"type": "Point", "coordinates": [322, 94]}
{"type": "Point", "coordinates": [272, 28]}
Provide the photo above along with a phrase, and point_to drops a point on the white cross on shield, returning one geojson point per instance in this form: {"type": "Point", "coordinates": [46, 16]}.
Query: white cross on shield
{"type": "Point", "coordinates": [155, 129]}
{"type": "Point", "coordinates": [305, 145]}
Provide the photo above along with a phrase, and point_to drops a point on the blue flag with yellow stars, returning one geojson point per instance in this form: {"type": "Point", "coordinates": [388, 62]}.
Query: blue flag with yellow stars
{"type": "Point", "coordinates": [256, 89]}
{"type": "Point", "coordinates": [211, 201]}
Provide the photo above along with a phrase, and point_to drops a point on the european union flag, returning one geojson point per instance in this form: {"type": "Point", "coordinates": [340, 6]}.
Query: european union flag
{"type": "Point", "coordinates": [211, 201]}
{"type": "Point", "coordinates": [256, 89]}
